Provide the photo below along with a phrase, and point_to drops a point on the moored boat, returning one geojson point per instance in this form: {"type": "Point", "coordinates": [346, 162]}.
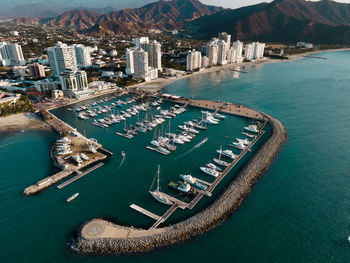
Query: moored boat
{"type": "Point", "coordinates": [69, 199]}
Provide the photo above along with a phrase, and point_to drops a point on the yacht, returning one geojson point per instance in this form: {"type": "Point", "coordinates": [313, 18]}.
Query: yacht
{"type": "Point", "coordinates": [209, 171]}
{"type": "Point", "coordinates": [227, 153]}
{"type": "Point", "coordinates": [252, 128]}
{"type": "Point", "coordinates": [180, 186]}
{"type": "Point", "coordinates": [214, 167]}
{"type": "Point", "coordinates": [193, 181]}
{"type": "Point", "coordinates": [221, 162]}
{"type": "Point", "coordinates": [159, 196]}
{"type": "Point", "coordinates": [219, 116]}
{"type": "Point", "coordinates": [238, 145]}
{"type": "Point", "coordinates": [245, 141]}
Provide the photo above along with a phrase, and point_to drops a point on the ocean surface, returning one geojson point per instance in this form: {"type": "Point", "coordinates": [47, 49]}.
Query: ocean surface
{"type": "Point", "coordinates": [299, 211]}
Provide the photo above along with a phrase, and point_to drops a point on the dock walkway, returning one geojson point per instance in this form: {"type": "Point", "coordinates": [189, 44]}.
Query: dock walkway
{"type": "Point", "coordinates": [144, 211]}
{"type": "Point", "coordinates": [79, 175]}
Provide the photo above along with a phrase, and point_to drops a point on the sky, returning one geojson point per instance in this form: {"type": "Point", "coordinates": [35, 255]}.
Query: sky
{"type": "Point", "coordinates": [120, 4]}
{"type": "Point", "coordinates": [240, 3]}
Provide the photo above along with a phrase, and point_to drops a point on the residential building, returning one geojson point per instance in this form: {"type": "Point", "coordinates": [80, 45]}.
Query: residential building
{"type": "Point", "coordinates": [19, 71]}
{"type": "Point", "coordinates": [113, 53]}
{"type": "Point", "coordinates": [61, 58]}
{"type": "Point", "coordinates": [129, 61]}
{"type": "Point", "coordinates": [11, 54]}
{"type": "Point", "coordinates": [14, 33]}
{"type": "Point", "coordinates": [36, 70]}
{"type": "Point", "coordinates": [9, 98]}
{"type": "Point", "coordinates": [258, 50]}
{"type": "Point", "coordinates": [141, 67]}
{"type": "Point", "coordinates": [232, 55]}
{"type": "Point", "coordinates": [238, 45]}
{"type": "Point", "coordinates": [205, 62]}
{"type": "Point", "coordinates": [222, 52]}
{"type": "Point", "coordinates": [212, 51]}
{"type": "Point", "coordinates": [45, 85]}
{"type": "Point", "coordinates": [193, 60]}
{"type": "Point", "coordinates": [141, 42]}
{"type": "Point", "coordinates": [83, 55]}
{"type": "Point", "coordinates": [249, 52]}
{"type": "Point", "coordinates": [154, 54]}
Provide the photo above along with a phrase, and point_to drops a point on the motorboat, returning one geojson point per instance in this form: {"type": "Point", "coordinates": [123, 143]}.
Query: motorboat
{"type": "Point", "coordinates": [227, 153]}
{"type": "Point", "coordinates": [193, 181]}
{"type": "Point", "coordinates": [69, 199]}
{"type": "Point", "coordinates": [219, 116]}
{"type": "Point", "coordinates": [238, 145]}
{"type": "Point", "coordinates": [214, 167]}
{"type": "Point", "coordinates": [252, 128]}
{"type": "Point", "coordinates": [209, 171]}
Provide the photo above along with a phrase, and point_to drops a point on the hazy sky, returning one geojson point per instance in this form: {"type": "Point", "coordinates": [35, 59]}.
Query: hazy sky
{"type": "Point", "coordinates": [239, 3]}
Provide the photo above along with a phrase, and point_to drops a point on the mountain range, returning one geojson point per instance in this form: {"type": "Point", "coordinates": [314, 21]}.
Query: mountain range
{"type": "Point", "coordinates": [279, 21]}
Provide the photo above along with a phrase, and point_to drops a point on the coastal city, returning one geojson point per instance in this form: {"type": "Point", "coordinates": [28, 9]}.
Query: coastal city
{"type": "Point", "coordinates": [138, 131]}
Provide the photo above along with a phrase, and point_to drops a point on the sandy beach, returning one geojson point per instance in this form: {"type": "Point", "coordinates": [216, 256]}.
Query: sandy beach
{"type": "Point", "coordinates": [25, 121]}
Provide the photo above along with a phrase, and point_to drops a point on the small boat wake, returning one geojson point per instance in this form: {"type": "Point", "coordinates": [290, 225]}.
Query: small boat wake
{"type": "Point", "coordinates": [194, 147]}
{"type": "Point", "coordinates": [123, 159]}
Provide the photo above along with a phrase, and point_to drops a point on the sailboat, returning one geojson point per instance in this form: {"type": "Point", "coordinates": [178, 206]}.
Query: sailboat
{"type": "Point", "coordinates": [219, 161]}
{"type": "Point", "coordinates": [159, 196]}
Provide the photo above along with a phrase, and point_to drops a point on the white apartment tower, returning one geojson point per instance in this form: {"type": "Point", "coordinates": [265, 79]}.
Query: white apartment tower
{"type": "Point", "coordinates": [83, 55]}
{"type": "Point", "coordinates": [141, 68]}
{"type": "Point", "coordinates": [258, 50]}
{"type": "Point", "coordinates": [249, 51]}
{"type": "Point", "coordinates": [142, 42]}
{"type": "Point", "coordinates": [61, 58]}
{"type": "Point", "coordinates": [11, 54]}
{"type": "Point", "coordinates": [222, 52]}
{"type": "Point", "coordinates": [129, 61]}
{"type": "Point", "coordinates": [194, 60]}
{"type": "Point", "coordinates": [212, 51]}
{"type": "Point", "coordinates": [231, 55]}
{"type": "Point", "coordinates": [238, 45]}
{"type": "Point", "coordinates": [154, 54]}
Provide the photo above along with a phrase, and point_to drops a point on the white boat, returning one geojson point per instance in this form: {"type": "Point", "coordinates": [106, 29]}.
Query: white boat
{"type": "Point", "coordinates": [214, 167]}
{"type": "Point", "coordinates": [238, 145]}
{"type": "Point", "coordinates": [193, 181]}
{"type": "Point", "coordinates": [157, 194]}
{"type": "Point", "coordinates": [219, 116]}
{"type": "Point", "coordinates": [123, 153]}
{"type": "Point", "coordinates": [84, 157]}
{"type": "Point", "coordinates": [209, 171]}
{"type": "Point", "coordinates": [221, 162]}
{"type": "Point", "coordinates": [349, 239]}
{"type": "Point", "coordinates": [69, 199]}
{"type": "Point", "coordinates": [249, 135]}
{"type": "Point", "coordinates": [252, 128]}
{"type": "Point", "coordinates": [227, 153]}
{"type": "Point", "coordinates": [245, 141]}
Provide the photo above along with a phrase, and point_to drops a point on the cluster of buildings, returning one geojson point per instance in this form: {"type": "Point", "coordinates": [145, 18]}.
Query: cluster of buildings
{"type": "Point", "coordinates": [144, 60]}
{"type": "Point", "coordinates": [65, 62]}
{"type": "Point", "coordinates": [305, 45]}
{"type": "Point", "coordinates": [219, 51]}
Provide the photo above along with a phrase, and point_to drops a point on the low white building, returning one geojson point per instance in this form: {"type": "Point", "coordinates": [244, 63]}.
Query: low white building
{"type": "Point", "coordinates": [56, 94]}
{"type": "Point", "coordinates": [45, 85]}
{"type": "Point", "coordinates": [102, 85]}
{"type": "Point", "coordinates": [75, 84]}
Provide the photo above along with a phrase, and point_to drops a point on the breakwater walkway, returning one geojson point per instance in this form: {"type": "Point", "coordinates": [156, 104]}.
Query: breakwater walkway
{"type": "Point", "coordinates": [101, 236]}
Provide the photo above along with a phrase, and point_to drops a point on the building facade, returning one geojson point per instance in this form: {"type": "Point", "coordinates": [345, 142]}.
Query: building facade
{"type": "Point", "coordinates": [83, 55]}
{"type": "Point", "coordinates": [11, 54]}
{"type": "Point", "coordinates": [193, 60]}
{"type": "Point", "coordinates": [212, 49]}
{"type": "Point", "coordinates": [36, 70]}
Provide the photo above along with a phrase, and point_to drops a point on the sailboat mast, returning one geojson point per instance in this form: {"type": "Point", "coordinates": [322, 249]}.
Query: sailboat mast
{"type": "Point", "coordinates": [158, 178]}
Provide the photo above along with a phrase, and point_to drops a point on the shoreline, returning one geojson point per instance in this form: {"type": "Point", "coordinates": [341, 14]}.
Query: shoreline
{"type": "Point", "coordinates": [22, 121]}
{"type": "Point", "coordinates": [105, 237]}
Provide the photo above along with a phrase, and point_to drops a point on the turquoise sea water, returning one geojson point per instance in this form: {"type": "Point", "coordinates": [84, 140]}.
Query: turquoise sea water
{"type": "Point", "coordinates": [298, 212]}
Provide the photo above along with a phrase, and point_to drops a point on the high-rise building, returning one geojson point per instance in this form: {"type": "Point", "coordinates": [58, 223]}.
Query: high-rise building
{"type": "Point", "coordinates": [258, 50]}
{"type": "Point", "coordinates": [61, 58]}
{"type": "Point", "coordinates": [238, 45]}
{"type": "Point", "coordinates": [222, 52]}
{"type": "Point", "coordinates": [11, 54]}
{"type": "Point", "coordinates": [194, 60]}
{"type": "Point", "coordinates": [249, 51]}
{"type": "Point", "coordinates": [141, 68]}
{"type": "Point", "coordinates": [75, 83]}
{"type": "Point", "coordinates": [225, 37]}
{"type": "Point", "coordinates": [36, 70]}
{"type": "Point", "coordinates": [129, 61]}
{"type": "Point", "coordinates": [83, 55]}
{"type": "Point", "coordinates": [142, 42]}
{"type": "Point", "coordinates": [231, 55]}
{"type": "Point", "coordinates": [212, 51]}
{"type": "Point", "coordinates": [205, 62]}
{"type": "Point", "coordinates": [154, 54]}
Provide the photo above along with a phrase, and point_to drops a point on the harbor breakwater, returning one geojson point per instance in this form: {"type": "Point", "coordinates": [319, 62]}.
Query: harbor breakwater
{"type": "Point", "coordinates": [100, 236]}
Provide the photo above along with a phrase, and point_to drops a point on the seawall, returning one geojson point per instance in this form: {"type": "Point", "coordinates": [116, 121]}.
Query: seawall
{"type": "Point", "coordinates": [100, 236]}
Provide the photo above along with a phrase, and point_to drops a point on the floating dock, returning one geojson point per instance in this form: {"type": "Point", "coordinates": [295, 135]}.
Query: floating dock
{"type": "Point", "coordinates": [80, 175]}
{"type": "Point", "coordinates": [145, 212]}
